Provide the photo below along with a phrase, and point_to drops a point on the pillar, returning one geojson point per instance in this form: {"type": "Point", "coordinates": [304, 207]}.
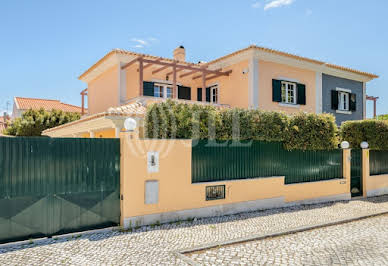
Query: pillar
{"type": "Point", "coordinates": [346, 162]}
{"type": "Point", "coordinates": [365, 171]}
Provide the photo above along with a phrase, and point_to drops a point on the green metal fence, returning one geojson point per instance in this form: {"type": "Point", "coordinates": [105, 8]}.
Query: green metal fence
{"type": "Point", "coordinates": [378, 162]}
{"type": "Point", "coordinates": [52, 186]}
{"type": "Point", "coordinates": [226, 161]}
{"type": "Point", "coordinates": [356, 173]}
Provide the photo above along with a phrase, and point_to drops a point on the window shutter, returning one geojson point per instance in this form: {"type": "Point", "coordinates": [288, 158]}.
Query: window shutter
{"type": "Point", "coordinates": [352, 102]}
{"type": "Point", "coordinates": [184, 93]}
{"type": "Point", "coordinates": [334, 100]}
{"type": "Point", "coordinates": [208, 95]}
{"type": "Point", "coordinates": [276, 90]}
{"type": "Point", "coordinates": [199, 94]}
{"type": "Point", "coordinates": [148, 88]}
{"type": "Point", "coordinates": [301, 94]}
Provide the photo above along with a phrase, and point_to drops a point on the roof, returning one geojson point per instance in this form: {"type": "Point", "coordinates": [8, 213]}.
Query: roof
{"type": "Point", "coordinates": [47, 104]}
{"type": "Point", "coordinates": [133, 109]}
{"type": "Point", "coordinates": [254, 47]}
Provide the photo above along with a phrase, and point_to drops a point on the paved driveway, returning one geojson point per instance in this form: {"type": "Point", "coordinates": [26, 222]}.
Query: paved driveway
{"type": "Point", "coordinates": [155, 245]}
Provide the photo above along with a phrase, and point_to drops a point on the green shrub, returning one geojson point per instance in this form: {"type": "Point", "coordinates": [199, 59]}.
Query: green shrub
{"type": "Point", "coordinates": [372, 131]}
{"type": "Point", "coordinates": [33, 122]}
{"type": "Point", "coordinates": [193, 121]}
{"type": "Point", "coordinates": [311, 132]}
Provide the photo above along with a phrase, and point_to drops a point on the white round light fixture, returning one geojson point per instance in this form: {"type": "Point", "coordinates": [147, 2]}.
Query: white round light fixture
{"type": "Point", "coordinates": [130, 124]}
{"type": "Point", "coordinates": [364, 145]}
{"type": "Point", "coordinates": [345, 145]}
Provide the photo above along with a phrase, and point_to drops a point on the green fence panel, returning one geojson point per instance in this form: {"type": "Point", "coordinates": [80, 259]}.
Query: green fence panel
{"type": "Point", "coordinates": [52, 186]}
{"type": "Point", "coordinates": [378, 162]}
{"type": "Point", "coordinates": [219, 161]}
{"type": "Point", "coordinates": [356, 173]}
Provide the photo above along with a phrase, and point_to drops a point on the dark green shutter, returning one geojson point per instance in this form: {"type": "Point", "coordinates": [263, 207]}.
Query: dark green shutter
{"type": "Point", "coordinates": [301, 94]}
{"type": "Point", "coordinates": [184, 93]}
{"type": "Point", "coordinates": [334, 100]}
{"type": "Point", "coordinates": [199, 94]}
{"type": "Point", "coordinates": [208, 95]}
{"type": "Point", "coordinates": [276, 90]}
{"type": "Point", "coordinates": [352, 102]}
{"type": "Point", "coordinates": [148, 88]}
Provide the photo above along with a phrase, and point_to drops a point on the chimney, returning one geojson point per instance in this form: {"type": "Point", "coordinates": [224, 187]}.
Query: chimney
{"type": "Point", "coordinates": [180, 54]}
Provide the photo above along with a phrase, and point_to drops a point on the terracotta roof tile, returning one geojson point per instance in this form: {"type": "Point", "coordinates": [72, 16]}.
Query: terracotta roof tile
{"type": "Point", "coordinates": [47, 104]}
{"type": "Point", "coordinates": [277, 52]}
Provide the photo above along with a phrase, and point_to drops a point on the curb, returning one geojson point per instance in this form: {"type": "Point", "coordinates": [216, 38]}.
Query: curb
{"type": "Point", "coordinates": [180, 253]}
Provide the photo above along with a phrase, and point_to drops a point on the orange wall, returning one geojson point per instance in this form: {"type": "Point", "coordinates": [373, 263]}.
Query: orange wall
{"type": "Point", "coordinates": [233, 89]}
{"type": "Point", "coordinates": [176, 192]}
{"type": "Point", "coordinates": [103, 91]}
{"type": "Point", "coordinates": [269, 71]}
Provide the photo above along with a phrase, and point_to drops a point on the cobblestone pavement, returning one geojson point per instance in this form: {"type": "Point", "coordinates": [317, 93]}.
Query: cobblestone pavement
{"type": "Point", "coordinates": [363, 242]}
{"type": "Point", "coordinates": [153, 245]}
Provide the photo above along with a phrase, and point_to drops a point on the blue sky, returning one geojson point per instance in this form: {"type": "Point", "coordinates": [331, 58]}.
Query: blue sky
{"type": "Point", "coordinates": [46, 45]}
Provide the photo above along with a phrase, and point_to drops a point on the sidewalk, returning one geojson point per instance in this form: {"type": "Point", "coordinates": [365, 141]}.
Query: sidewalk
{"type": "Point", "coordinates": [158, 244]}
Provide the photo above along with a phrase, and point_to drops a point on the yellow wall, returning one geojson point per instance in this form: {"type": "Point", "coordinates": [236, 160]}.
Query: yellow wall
{"type": "Point", "coordinates": [176, 192]}
{"type": "Point", "coordinates": [233, 89]}
{"type": "Point", "coordinates": [103, 91]}
{"type": "Point", "coordinates": [269, 71]}
{"type": "Point", "coordinates": [105, 134]}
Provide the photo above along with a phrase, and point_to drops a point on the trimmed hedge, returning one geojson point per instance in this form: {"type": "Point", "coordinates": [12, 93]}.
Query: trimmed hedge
{"type": "Point", "coordinates": [193, 121]}
{"type": "Point", "coordinates": [311, 132]}
{"type": "Point", "coordinates": [372, 131]}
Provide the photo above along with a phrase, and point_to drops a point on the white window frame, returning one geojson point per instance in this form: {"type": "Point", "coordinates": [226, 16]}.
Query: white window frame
{"type": "Point", "coordinates": [341, 110]}
{"type": "Point", "coordinates": [214, 93]}
{"type": "Point", "coordinates": [343, 101]}
{"type": "Point", "coordinates": [165, 87]}
{"type": "Point", "coordinates": [287, 91]}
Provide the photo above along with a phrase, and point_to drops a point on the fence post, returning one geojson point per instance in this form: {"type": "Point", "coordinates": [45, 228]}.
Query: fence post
{"type": "Point", "coordinates": [365, 171]}
{"type": "Point", "coordinates": [346, 161]}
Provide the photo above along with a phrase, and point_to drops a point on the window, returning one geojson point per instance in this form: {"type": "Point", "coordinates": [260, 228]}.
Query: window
{"type": "Point", "coordinates": [158, 91]}
{"type": "Point", "coordinates": [215, 192]}
{"type": "Point", "coordinates": [288, 92]}
{"type": "Point", "coordinates": [162, 91]}
{"type": "Point", "coordinates": [214, 94]}
{"type": "Point", "coordinates": [343, 101]}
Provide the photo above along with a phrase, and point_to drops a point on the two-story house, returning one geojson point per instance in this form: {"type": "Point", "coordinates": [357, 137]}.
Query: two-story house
{"type": "Point", "coordinates": [122, 83]}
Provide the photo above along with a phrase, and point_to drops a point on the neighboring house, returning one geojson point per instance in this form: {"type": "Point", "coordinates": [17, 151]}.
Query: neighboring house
{"type": "Point", "coordinates": [4, 119]}
{"type": "Point", "coordinates": [253, 77]}
{"type": "Point", "coordinates": [22, 104]}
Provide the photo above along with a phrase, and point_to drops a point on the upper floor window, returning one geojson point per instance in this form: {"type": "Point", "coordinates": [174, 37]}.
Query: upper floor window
{"type": "Point", "coordinates": [162, 91]}
{"type": "Point", "coordinates": [343, 101]}
{"type": "Point", "coordinates": [214, 94]}
{"type": "Point", "coordinates": [288, 92]}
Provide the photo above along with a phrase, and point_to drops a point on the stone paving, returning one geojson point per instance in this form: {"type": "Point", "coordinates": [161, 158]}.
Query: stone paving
{"type": "Point", "coordinates": [154, 245]}
{"type": "Point", "coordinates": [363, 242]}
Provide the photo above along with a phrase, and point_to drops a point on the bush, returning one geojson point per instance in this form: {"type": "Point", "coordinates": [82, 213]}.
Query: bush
{"type": "Point", "coordinates": [373, 131]}
{"type": "Point", "coordinates": [311, 132]}
{"type": "Point", "coordinates": [33, 122]}
{"type": "Point", "coordinates": [193, 121]}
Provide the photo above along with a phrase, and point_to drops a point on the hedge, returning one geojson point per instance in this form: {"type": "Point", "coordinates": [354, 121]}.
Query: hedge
{"type": "Point", "coordinates": [374, 132]}
{"type": "Point", "coordinates": [193, 121]}
{"type": "Point", "coordinates": [311, 132]}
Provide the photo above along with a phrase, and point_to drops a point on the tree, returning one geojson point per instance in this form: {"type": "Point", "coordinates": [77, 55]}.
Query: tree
{"type": "Point", "coordinates": [33, 122]}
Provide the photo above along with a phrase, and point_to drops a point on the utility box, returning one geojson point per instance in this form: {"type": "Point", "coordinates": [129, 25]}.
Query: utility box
{"type": "Point", "coordinates": [151, 192]}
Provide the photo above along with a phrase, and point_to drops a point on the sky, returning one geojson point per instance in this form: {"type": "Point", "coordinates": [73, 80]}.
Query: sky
{"type": "Point", "coordinates": [46, 45]}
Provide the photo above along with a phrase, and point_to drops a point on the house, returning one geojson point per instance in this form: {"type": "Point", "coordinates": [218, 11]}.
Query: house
{"type": "Point", "coordinates": [3, 122]}
{"type": "Point", "coordinates": [122, 83]}
{"type": "Point", "coordinates": [22, 104]}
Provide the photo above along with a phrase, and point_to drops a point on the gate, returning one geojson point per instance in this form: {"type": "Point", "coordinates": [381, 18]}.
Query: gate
{"type": "Point", "coordinates": [356, 173]}
{"type": "Point", "coordinates": [53, 186]}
